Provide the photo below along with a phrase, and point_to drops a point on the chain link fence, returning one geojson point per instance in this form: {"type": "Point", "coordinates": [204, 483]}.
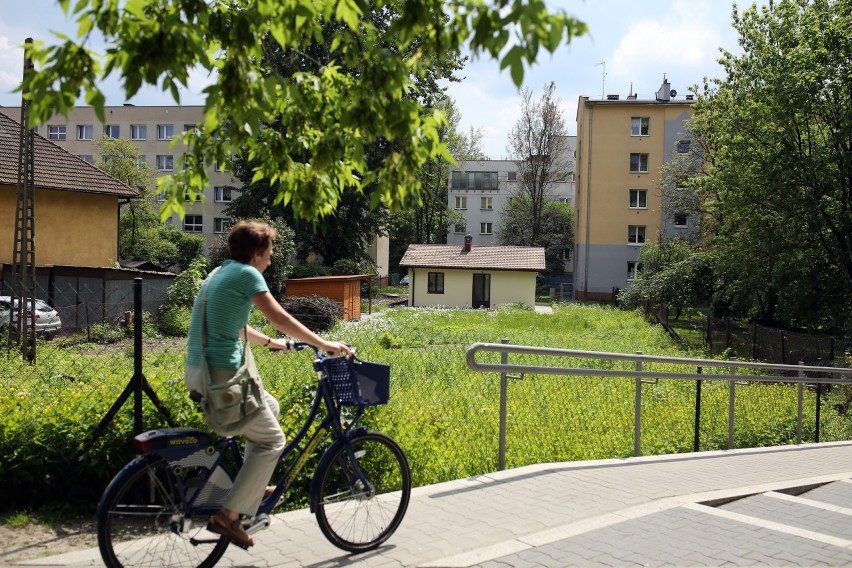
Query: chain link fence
{"type": "Point", "coordinates": [67, 419]}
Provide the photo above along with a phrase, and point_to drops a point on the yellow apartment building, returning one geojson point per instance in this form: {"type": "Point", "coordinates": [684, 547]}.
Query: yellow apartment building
{"type": "Point", "coordinates": [621, 146]}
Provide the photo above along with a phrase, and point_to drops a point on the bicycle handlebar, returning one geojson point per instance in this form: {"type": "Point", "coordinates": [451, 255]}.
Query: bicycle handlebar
{"type": "Point", "coordinates": [293, 345]}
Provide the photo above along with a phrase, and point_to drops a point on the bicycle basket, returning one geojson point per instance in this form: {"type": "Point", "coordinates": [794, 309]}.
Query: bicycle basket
{"type": "Point", "coordinates": [357, 382]}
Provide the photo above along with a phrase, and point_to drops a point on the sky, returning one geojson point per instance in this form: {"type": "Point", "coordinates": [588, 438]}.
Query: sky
{"type": "Point", "coordinates": [631, 46]}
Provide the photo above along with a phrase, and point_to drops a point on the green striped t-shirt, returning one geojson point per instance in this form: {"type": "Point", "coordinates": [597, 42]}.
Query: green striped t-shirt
{"type": "Point", "coordinates": [228, 306]}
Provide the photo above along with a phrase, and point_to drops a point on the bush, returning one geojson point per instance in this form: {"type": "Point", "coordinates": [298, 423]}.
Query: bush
{"type": "Point", "coordinates": [104, 332]}
{"type": "Point", "coordinates": [175, 321]}
{"type": "Point", "coordinates": [316, 312]}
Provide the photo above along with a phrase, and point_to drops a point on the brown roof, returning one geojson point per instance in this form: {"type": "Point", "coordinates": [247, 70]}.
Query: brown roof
{"type": "Point", "coordinates": [489, 258]}
{"type": "Point", "coordinates": [54, 167]}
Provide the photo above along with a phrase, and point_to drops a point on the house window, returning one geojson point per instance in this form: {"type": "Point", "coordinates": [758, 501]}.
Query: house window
{"type": "Point", "coordinates": [474, 180]}
{"type": "Point", "coordinates": [638, 199]}
{"type": "Point", "coordinates": [683, 146]}
{"type": "Point", "coordinates": [461, 202]}
{"type": "Point", "coordinates": [84, 132]}
{"type": "Point", "coordinates": [436, 283]}
{"type": "Point", "coordinates": [486, 203]}
{"type": "Point", "coordinates": [459, 227]}
{"type": "Point", "coordinates": [165, 163]}
{"type": "Point", "coordinates": [165, 131]}
{"type": "Point", "coordinates": [192, 223]}
{"type": "Point", "coordinates": [112, 131]}
{"type": "Point", "coordinates": [222, 224]}
{"type": "Point", "coordinates": [138, 132]}
{"type": "Point", "coordinates": [56, 132]}
{"type": "Point", "coordinates": [635, 234]}
{"type": "Point", "coordinates": [639, 125]}
{"type": "Point", "coordinates": [222, 194]}
{"type": "Point", "coordinates": [512, 176]}
{"type": "Point", "coordinates": [88, 158]}
{"type": "Point", "coordinates": [639, 163]}
{"type": "Point", "coordinates": [680, 220]}
{"type": "Point", "coordinates": [485, 228]}
{"type": "Point", "coordinates": [632, 268]}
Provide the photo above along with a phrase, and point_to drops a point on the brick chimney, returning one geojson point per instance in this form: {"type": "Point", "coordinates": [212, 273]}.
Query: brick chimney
{"type": "Point", "coordinates": [468, 243]}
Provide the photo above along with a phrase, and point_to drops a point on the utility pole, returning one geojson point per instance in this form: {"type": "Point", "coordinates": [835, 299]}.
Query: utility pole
{"type": "Point", "coordinates": [22, 331]}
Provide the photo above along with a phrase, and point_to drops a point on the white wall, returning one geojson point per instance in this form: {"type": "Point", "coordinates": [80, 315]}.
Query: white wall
{"type": "Point", "coordinates": [507, 287]}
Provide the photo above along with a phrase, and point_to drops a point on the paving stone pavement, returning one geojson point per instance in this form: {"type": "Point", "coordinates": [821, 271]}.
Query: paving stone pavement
{"type": "Point", "coordinates": [675, 510]}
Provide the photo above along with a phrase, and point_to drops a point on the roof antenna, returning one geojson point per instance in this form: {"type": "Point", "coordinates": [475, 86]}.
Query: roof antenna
{"type": "Point", "coordinates": [603, 79]}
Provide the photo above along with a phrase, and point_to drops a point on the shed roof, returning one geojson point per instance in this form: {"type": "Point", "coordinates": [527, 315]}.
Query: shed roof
{"type": "Point", "coordinates": [54, 167]}
{"type": "Point", "coordinates": [478, 258]}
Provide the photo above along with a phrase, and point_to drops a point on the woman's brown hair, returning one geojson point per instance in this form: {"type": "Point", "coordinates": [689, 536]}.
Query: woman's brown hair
{"type": "Point", "coordinates": [248, 238]}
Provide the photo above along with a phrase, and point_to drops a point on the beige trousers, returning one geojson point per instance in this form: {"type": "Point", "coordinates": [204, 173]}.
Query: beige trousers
{"type": "Point", "coordinates": [264, 443]}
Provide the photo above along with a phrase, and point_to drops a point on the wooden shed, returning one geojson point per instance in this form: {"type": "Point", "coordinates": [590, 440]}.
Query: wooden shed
{"type": "Point", "coordinates": [344, 289]}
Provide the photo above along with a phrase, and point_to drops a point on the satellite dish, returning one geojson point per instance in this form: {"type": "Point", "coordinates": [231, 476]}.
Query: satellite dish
{"type": "Point", "coordinates": [673, 93]}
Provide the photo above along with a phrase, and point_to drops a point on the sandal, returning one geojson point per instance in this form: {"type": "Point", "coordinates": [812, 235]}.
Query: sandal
{"type": "Point", "coordinates": [221, 524]}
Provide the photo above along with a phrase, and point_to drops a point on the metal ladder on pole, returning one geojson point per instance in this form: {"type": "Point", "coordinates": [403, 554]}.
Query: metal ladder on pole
{"type": "Point", "coordinates": [21, 326]}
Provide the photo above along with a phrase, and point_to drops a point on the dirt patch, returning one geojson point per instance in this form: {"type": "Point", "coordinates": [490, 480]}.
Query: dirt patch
{"type": "Point", "coordinates": [35, 540]}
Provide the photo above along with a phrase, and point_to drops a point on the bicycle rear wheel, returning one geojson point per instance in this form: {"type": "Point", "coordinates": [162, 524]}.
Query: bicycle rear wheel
{"type": "Point", "coordinates": [354, 517]}
{"type": "Point", "coordinates": [142, 521]}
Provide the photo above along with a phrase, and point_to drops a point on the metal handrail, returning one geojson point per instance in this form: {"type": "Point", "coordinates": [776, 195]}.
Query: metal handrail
{"type": "Point", "coordinates": [829, 375]}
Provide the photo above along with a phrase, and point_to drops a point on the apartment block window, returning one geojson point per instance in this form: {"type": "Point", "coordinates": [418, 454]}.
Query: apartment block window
{"type": "Point", "coordinates": [222, 194]}
{"type": "Point", "coordinates": [222, 166]}
{"type": "Point", "coordinates": [138, 132]}
{"type": "Point", "coordinates": [86, 158]}
{"type": "Point", "coordinates": [512, 176]}
{"type": "Point", "coordinates": [222, 224]}
{"type": "Point", "coordinates": [683, 146]}
{"type": "Point", "coordinates": [680, 220]}
{"type": "Point", "coordinates": [485, 228]}
{"type": "Point", "coordinates": [639, 125]}
{"type": "Point", "coordinates": [461, 202]}
{"type": "Point", "coordinates": [56, 132]}
{"type": "Point", "coordinates": [165, 162]}
{"type": "Point", "coordinates": [460, 227]}
{"type": "Point", "coordinates": [638, 199]}
{"type": "Point", "coordinates": [165, 131]}
{"type": "Point", "coordinates": [112, 131]}
{"type": "Point", "coordinates": [162, 197]}
{"type": "Point", "coordinates": [486, 203]}
{"type": "Point", "coordinates": [142, 160]}
{"type": "Point", "coordinates": [84, 132]}
{"type": "Point", "coordinates": [192, 223]}
{"type": "Point", "coordinates": [474, 180]}
{"type": "Point", "coordinates": [632, 268]}
{"type": "Point", "coordinates": [639, 163]}
{"type": "Point", "coordinates": [635, 234]}
{"type": "Point", "coordinates": [435, 283]}
{"type": "Point", "coordinates": [188, 127]}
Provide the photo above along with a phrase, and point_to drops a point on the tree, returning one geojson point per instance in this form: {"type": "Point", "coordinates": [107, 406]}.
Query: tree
{"type": "Point", "coordinates": [556, 232]}
{"type": "Point", "coordinates": [328, 117]}
{"type": "Point", "coordinates": [539, 143]}
{"type": "Point", "coordinates": [141, 235]}
{"type": "Point", "coordinates": [777, 192]}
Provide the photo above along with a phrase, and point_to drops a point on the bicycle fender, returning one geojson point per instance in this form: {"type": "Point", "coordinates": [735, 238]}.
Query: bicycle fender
{"type": "Point", "coordinates": [324, 459]}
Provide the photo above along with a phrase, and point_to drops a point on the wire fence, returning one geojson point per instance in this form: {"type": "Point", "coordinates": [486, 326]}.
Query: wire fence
{"type": "Point", "coordinates": [67, 419]}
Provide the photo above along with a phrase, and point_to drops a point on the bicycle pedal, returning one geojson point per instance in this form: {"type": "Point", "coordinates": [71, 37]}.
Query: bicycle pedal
{"type": "Point", "coordinates": [257, 523]}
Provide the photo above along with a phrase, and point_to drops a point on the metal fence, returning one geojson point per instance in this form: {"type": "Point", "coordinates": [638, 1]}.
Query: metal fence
{"type": "Point", "coordinates": [801, 375]}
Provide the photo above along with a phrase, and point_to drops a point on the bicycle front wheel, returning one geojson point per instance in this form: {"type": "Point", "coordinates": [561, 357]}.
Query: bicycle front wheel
{"type": "Point", "coordinates": [358, 517]}
{"type": "Point", "coordinates": [142, 521]}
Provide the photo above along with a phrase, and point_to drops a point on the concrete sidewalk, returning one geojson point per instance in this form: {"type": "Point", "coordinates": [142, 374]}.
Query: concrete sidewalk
{"type": "Point", "coordinates": [647, 511]}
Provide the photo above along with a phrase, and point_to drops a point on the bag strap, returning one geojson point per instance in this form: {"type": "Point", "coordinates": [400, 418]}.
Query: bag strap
{"type": "Point", "coordinates": [203, 308]}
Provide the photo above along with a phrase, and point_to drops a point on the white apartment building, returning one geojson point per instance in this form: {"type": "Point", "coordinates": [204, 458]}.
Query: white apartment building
{"type": "Point", "coordinates": [152, 129]}
{"type": "Point", "coordinates": [479, 190]}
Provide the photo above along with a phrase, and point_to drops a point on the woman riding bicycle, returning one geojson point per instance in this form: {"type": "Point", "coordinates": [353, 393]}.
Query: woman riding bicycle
{"type": "Point", "coordinates": [233, 289]}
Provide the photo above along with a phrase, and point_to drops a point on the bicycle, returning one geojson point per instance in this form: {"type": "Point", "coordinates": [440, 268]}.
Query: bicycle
{"type": "Point", "coordinates": [154, 512]}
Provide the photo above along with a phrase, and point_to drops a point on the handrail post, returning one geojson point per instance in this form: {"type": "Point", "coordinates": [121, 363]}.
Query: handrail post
{"type": "Point", "coordinates": [731, 390]}
{"type": "Point", "coordinates": [137, 355]}
{"type": "Point", "coordinates": [504, 383]}
{"type": "Point", "coordinates": [696, 437]}
{"type": "Point", "coordinates": [800, 410]}
{"type": "Point", "coordinates": [637, 412]}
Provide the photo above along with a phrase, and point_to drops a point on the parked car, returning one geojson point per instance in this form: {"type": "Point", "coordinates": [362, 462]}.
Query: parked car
{"type": "Point", "coordinates": [46, 319]}
{"type": "Point", "coordinates": [404, 281]}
